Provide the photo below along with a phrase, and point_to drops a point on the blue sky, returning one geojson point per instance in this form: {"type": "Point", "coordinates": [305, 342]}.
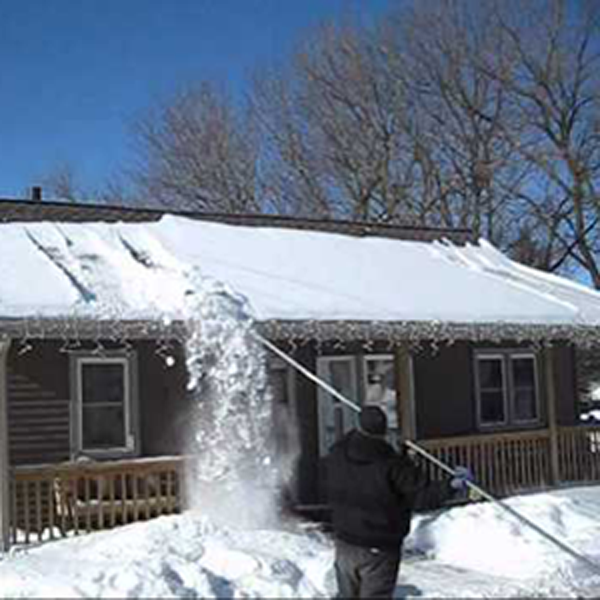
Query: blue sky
{"type": "Point", "coordinates": [75, 73]}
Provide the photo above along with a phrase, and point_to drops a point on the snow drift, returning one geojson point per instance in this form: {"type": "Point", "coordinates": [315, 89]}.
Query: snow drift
{"type": "Point", "coordinates": [472, 551]}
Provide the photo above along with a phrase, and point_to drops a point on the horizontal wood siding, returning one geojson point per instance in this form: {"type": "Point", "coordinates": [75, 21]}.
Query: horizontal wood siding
{"type": "Point", "coordinates": [39, 401]}
{"type": "Point", "coordinates": [165, 405]}
{"type": "Point", "coordinates": [38, 404]}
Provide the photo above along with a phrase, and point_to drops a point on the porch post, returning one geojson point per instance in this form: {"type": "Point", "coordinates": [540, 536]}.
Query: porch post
{"type": "Point", "coordinates": [551, 405]}
{"type": "Point", "coordinates": [406, 391]}
{"type": "Point", "coordinates": [4, 464]}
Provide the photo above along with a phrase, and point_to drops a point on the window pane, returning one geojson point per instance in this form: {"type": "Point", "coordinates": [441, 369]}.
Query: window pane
{"type": "Point", "coordinates": [524, 393]}
{"type": "Point", "coordinates": [103, 427]}
{"type": "Point", "coordinates": [525, 404]}
{"type": "Point", "coordinates": [381, 387]}
{"type": "Point", "coordinates": [342, 378]}
{"type": "Point", "coordinates": [523, 372]}
{"type": "Point", "coordinates": [490, 373]}
{"type": "Point", "coordinates": [103, 382]}
{"type": "Point", "coordinates": [492, 407]}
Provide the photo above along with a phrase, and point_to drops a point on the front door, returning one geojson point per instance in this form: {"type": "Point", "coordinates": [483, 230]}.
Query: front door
{"type": "Point", "coordinates": [335, 417]}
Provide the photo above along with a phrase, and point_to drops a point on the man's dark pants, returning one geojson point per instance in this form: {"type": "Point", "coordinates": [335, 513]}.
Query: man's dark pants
{"type": "Point", "coordinates": [365, 572]}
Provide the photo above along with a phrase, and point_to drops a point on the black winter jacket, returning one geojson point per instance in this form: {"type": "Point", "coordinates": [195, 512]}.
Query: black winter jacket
{"type": "Point", "coordinates": [372, 490]}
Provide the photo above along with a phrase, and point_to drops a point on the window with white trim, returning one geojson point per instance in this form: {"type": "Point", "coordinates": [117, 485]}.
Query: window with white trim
{"type": "Point", "coordinates": [104, 404]}
{"type": "Point", "coordinates": [506, 388]}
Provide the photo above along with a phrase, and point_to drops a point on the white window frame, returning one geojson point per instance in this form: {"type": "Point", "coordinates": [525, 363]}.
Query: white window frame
{"type": "Point", "coordinates": [325, 399]}
{"type": "Point", "coordinates": [506, 357]}
{"type": "Point", "coordinates": [130, 438]}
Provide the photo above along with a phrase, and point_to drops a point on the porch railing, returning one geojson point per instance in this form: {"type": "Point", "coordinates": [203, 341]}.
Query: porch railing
{"type": "Point", "coordinates": [510, 462]}
{"type": "Point", "coordinates": [579, 454]}
{"type": "Point", "coordinates": [50, 501]}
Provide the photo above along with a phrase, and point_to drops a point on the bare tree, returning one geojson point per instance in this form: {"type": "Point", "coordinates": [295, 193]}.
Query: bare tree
{"type": "Point", "coordinates": [456, 119]}
{"type": "Point", "coordinates": [332, 126]}
{"type": "Point", "coordinates": [550, 71]}
{"type": "Point", "coordinates": [199, 151]}
{"type": "Point", "coordinates": [467, 113]}
{"type": "Point", "coordinates": [62, 183]}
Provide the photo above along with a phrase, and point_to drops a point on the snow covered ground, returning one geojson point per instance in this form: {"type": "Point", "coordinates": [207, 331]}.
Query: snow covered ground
{"type": "Point", "coordinates": [471, 551]}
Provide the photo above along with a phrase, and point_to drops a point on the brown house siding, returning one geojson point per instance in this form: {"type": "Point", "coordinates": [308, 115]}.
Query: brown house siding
{"type": "Point", "coordinates": [444, 391]}
{"type": "Point", "coordinates": [566, 385]}
{"type": "Point", "coordinates": [164, 406]}
{"type": "Point", "coordinates": [38, 404]}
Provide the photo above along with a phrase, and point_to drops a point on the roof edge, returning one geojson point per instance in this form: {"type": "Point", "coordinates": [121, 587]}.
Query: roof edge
{"type": "Point", "coordinates": [395, 333]}
{"type": "Point", "coordinates": [18, 210]}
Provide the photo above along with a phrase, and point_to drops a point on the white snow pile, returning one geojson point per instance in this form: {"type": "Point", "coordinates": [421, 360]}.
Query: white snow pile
{"type": "Point", "coordinates": [483, 538]}
{"type": "Point", "coordinates": [592, 415]}
{"type": "Point", "coordinates": [472, 551]}
{"type": "Point", "coordinates": [175, 556]}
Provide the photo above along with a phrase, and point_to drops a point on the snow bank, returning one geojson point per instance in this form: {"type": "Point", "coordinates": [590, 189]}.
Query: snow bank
{"type": "Point", "coordinates": [176, 556]}
{"type": "Point", "coordinates": [483, 538]}
{"type": "Point", "coordinates": [473, 551]}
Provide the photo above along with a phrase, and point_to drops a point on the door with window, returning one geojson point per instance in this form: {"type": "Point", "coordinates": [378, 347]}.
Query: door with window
{"type": "Point", "coordinates": [335, 417]}
{"type": "Point", "coordinates": [369, 379]}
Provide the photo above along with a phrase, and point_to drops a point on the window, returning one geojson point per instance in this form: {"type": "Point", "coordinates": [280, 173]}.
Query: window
{"type": "Point", "coordinates": [380, 387]}
{"type": "Point", "coordinates": [506, 388]}
{"type": "Point", "coordinates": [104, 405]}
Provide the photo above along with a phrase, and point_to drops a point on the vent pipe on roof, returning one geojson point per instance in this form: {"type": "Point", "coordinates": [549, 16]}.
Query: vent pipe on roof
{"type": "Point", "coordinates": [36, 193]}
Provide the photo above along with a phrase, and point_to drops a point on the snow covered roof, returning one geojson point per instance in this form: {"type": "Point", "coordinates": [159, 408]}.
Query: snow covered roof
{"type": "Point", "coordinates": [292, 280]}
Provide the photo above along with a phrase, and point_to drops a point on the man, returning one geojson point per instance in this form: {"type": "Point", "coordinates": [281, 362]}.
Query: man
{"type": "Point", "coordinates": [372, 491]}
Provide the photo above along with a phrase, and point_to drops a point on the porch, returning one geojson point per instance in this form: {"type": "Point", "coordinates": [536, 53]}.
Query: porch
{"type": "Point", "coordinates": [510, 463]}
{"type": "Point", "coordinates": [53, 501]}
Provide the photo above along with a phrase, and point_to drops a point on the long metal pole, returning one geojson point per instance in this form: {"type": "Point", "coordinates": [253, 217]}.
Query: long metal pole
{"type": "Point", "coordinates": [428, 456]}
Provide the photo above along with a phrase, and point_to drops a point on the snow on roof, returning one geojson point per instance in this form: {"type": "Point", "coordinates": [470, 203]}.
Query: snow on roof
{"type": "Point", "coordinates": [130, 271]}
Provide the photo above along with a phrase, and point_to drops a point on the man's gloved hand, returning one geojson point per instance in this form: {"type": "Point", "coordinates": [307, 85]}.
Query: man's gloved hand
{"type": "Point", "coordinates": [462, 475]}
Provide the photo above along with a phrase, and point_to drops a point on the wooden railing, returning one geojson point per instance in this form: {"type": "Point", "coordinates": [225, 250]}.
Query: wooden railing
{"type": "Point", "coordinates": [48, 501]}
{"type": "Point", "coordinates": [579, 454]}
{"type": "Point", "coordinates": [511, 462]}
{"type": "Point", "coordinates": [501, 463]}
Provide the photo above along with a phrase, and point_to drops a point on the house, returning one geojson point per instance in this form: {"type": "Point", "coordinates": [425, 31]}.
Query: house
{"type": "Point", "coordinates": [472, 355]}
